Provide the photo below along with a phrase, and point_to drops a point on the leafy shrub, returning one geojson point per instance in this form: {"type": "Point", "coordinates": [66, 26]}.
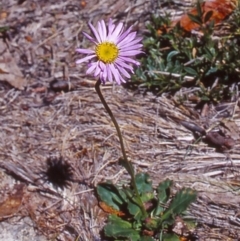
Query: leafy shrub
{"type": "Point", "coordinates": [175, 58]}
{"type": "Point", "coordinates": [128, 222]}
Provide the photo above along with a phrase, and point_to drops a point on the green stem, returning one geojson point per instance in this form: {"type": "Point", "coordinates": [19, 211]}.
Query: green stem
{"type": "Point", "coordinates": [130, 167]}
{"type": "Point", "coordinates": [97, 87]}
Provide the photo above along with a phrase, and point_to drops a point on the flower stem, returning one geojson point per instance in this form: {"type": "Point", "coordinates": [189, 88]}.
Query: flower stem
{"type": "Point", "coordinates": [129, 167]}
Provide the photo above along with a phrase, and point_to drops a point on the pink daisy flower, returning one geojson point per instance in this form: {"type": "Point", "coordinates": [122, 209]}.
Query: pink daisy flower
{"type": "Point", "coordinates": [113, 56]}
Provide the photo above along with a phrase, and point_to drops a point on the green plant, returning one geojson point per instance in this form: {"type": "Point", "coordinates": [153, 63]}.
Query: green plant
{"type": "Point", "coordinates": [133, 224]}
{"type": "Point", "coordinates": [146, 212]}
{"type": "Point", "coordinates": [147, 215]}
{"type": "Point", "coordinates": [176, 58]}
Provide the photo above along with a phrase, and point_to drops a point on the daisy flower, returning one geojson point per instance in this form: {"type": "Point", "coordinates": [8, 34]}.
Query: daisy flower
{"type": "Point", "coordinates": [113, 56]}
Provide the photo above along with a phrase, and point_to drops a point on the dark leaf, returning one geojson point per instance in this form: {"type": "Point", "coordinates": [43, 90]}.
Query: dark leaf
{"type": "Point", "coordinates": [118, 228]}
{"type": "Point", "coordinates": [111, 195]}
{"type": "Point", "coordinates": [195, 18]}
{"type": "Point", "coordinates": [143, 182]}
{"type": "Point", "coordinates": [163, 193]}
{"type": "Point", "coordinates": [146, 238]}
{"type": "Point", "coordinates": [207, 16]}
{"type": "Point", "coordinates": [191, 71]}
{"type": "Point", "coordinates": [170, 237]}
{"type": "Point", "coordinates": [179, 204]}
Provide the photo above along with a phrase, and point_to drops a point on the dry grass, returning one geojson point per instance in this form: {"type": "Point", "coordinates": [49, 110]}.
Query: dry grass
{"type": "Point", "coordinates": [38, 123]}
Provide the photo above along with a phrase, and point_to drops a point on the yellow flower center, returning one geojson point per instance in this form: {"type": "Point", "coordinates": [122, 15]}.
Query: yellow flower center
{"type": "Point", "coordinates": [107, 52]}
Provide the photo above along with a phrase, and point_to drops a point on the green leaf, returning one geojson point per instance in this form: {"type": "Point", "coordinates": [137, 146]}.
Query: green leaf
{"type": "Point", "coordinates": [208, 16]}
{"type": "Point", "coordinates": [210, 53]}
{"type": "Point", "coordinates": [111, 195]}
{"type": "Point", "coordinates": [180, 203]}
{"type": "Point", "coordinates": [144, 183]}
{"type": "Point", "coordinates": [114, 219]}
{"type": "Point", "coordinates": [171, 55]}
{"type": "Point", "coordinates": [191, 71]}
{"type": "Point", "coordinates": [148, 196]}
{"type": "Point", "coordinates": [205, 98]}
{"type": "Point", "coordinates": [4, 29]}
{"type": "Point", "coordinates": [163, 193]}
{"type": "Point", "coordinates": [199, 8]}
{"type": "Point", "coordinates": [146, 238]}
{"type": "Point", "coordinates": [118, 228]}
{"type": "Point", "coordinates": [195, 18]}
{"type": "Point", "coordinates": [132, 203]}
{"type": "Point", "coordinates": [170, 237]}
{"type": "Point", "coordinates": [134, 210]}
{"type": "Point", "coordinates": [211, 71]}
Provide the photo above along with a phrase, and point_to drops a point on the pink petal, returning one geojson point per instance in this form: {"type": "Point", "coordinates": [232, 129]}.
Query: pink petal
{"type": "Point", "coordinates": [124, 65]}
{"type": "Point", "coordinates": [128, 38]}
{"type": "Point", "coordinates": [104, 31]}
{"type": "Point", "coordinates": [102, 65]}
{"type": "Point", "coordinates": [85, 59]}
{"type": "Point", "coordinates": [115, 73]}
{"type": "Point", "coordinates": [130, 60]}
{"type": "Point", "coordinates": [116, 32]}
{"type": "Point", "coordinates": [122, 79]}
{"type": "Point", "coordinates": [91, 68]}
{"type": "Point", "coordinates": [122, 44]}
{"type": "Point", "coordinates": [123, 71]}
{"type": "Point", "coordinates": [130, 53]}
{"type": "Point", "coordinates": [97, 71]}
{"type": "Point", "coordinates": [101, 78]}
{"type": "Point", "coordinates": [134, 47]}
{"type": "Point", "coordinates": [105, 74]}
{"type": "Point", "coordinates": [85, 51]}
{"type": "Point", "coordinates": [111, 27]}
{"type": "Point", "coordinates": [89, 37]}
{"type": "Point", "coordinates": [109, 73]}
{"type": "Point", "coordinates": [123, 36]}
{"type": "Point", "coordinates": [95, 32]}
